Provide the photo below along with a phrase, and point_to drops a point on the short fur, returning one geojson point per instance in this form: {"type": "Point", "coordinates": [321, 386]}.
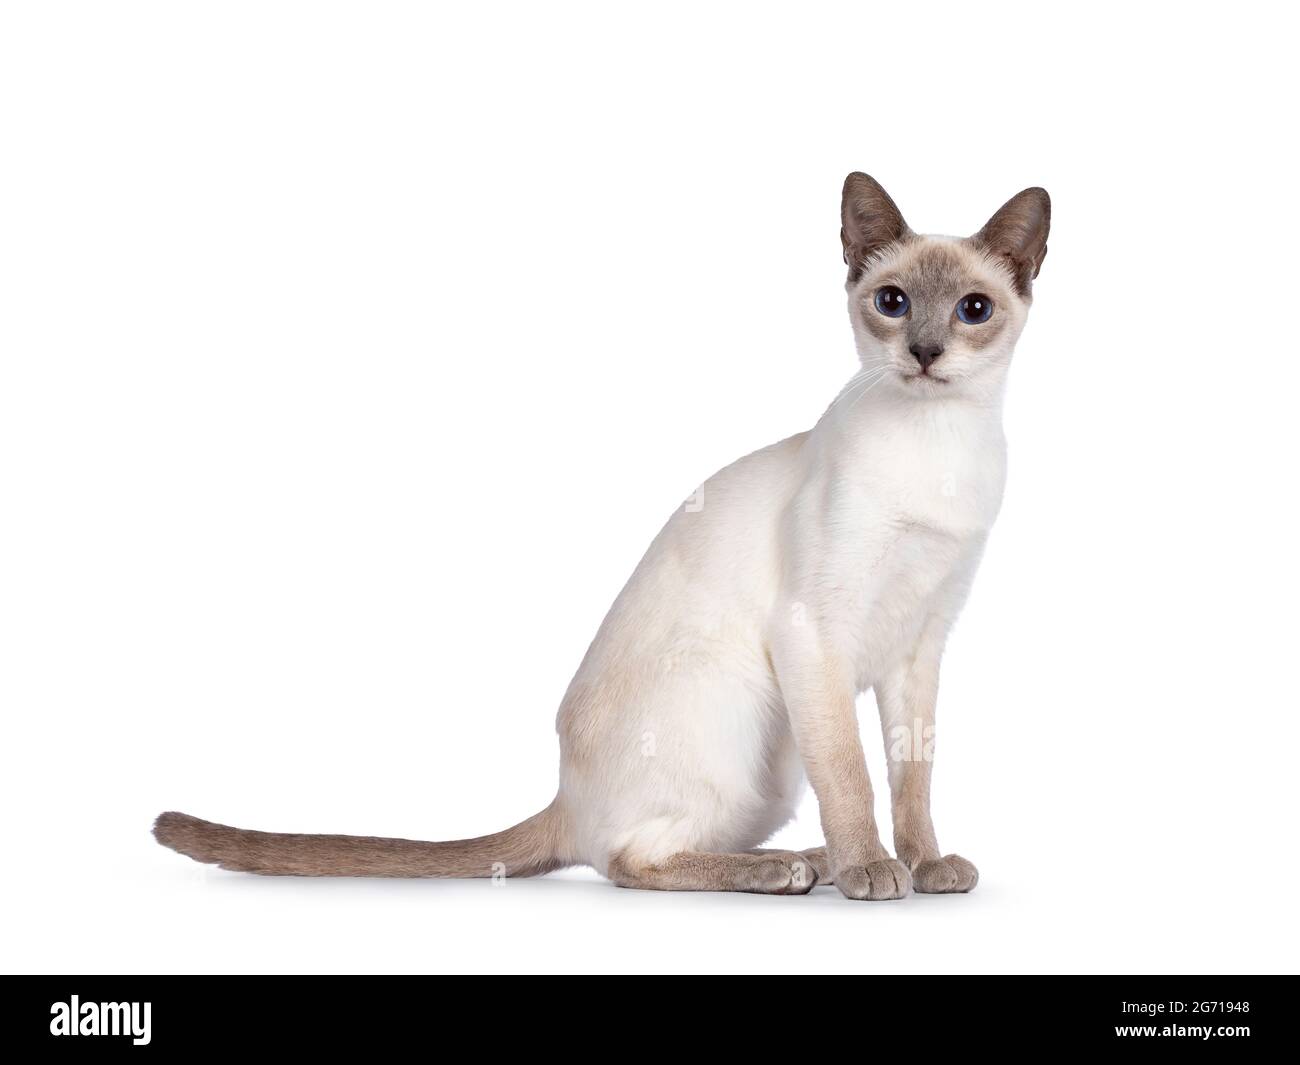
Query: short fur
{"type": "Point", "coordinates": [724, 676]}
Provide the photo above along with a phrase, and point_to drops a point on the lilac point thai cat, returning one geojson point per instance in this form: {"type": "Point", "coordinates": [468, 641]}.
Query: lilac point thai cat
{"type": "Point", "coordinates": [725, 674]}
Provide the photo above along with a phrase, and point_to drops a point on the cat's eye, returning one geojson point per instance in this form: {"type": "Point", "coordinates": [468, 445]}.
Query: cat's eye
{"type": "Point", "coordinates": [892, 301]}
{"type": "Point", "coordinates": [975, 308]}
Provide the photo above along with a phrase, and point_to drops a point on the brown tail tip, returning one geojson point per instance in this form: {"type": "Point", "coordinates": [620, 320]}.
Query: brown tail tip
{"type": "Point", "coordinates": [182, 833]}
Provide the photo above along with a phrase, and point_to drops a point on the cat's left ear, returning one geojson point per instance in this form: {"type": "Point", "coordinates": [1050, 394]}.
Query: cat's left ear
{"type": "Point", "coordinates": [1017, 233]}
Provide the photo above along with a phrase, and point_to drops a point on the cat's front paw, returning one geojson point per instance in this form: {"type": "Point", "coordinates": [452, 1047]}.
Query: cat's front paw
{"type": "Point", "coordinates": [942, 876]}
{"type": "Point", "coordinates": [885, 879]}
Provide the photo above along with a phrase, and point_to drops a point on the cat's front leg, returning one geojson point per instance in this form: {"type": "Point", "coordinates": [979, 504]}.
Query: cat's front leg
{"type": "Point", "coordinates": [819, 697]}
{"type": "Point", "coordinates": [907, 696]}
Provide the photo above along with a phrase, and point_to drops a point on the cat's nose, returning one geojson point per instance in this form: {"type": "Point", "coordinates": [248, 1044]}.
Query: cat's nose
{"type": "Point", "coordinates": [926, 353]}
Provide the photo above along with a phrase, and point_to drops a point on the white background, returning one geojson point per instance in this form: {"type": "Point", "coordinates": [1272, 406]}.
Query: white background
{"type": "Point", "coordinates": [353, 353]}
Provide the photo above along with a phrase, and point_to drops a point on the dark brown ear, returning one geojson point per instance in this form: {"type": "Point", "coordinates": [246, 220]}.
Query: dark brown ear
{"type": "Point", "coordinates": [1018, 234]}
{"type": "Point", "coordinates": [869, 220]}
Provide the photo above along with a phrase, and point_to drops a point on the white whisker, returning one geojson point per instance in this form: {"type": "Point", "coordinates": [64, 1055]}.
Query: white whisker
{"type": "Point", "coordinates": [862, 382]}
{"type": "Point", "coordinates": [868, 389]}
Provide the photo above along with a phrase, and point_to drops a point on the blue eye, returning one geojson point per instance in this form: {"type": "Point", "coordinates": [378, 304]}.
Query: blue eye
{"type": "Point", "coordinates": [892, 301]}
{"type": "Point", "coordinates": [975, 308]}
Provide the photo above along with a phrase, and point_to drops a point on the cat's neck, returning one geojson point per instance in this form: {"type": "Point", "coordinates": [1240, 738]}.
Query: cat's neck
{"type": "Point", "coordinates": [870, 405]}
{"type": "Point", "coordinates": [937, 460]}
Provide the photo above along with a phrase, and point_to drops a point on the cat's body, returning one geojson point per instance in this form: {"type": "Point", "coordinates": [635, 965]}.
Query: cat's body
{"type": "Point", "coordinates": [706, 755]}
{"type": "Point", "coordinates": [725, 673]}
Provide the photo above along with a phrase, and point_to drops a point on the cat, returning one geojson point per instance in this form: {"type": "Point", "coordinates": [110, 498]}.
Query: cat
{"type": "Point", "coordinates": [724, 677]}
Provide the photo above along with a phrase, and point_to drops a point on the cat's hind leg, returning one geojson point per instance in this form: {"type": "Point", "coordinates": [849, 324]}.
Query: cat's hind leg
{"type": "Point", "coordinates": [765, 873]}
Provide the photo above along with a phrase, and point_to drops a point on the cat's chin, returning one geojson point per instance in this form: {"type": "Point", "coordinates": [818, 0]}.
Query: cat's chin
{"type": "Point", "coordinates": [927, 381]}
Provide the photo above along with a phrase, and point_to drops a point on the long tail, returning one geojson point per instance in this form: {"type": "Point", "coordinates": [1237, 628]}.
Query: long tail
{"type": "Point", "coordinates": [529, 848]}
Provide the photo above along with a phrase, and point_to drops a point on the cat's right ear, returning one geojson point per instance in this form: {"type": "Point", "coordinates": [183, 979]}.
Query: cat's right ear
{"type": "Point", "coordinates": [869, 220]}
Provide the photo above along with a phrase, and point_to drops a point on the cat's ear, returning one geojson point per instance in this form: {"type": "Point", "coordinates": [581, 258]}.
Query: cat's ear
{"type": "Point", "coordinates": [1017, 234]}
{"type": "Point", "coordinates": [869, 220]}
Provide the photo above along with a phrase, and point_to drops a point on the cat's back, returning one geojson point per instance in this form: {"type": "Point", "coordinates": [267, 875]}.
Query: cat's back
{"type": "Point", "coordinates": [716, 560]}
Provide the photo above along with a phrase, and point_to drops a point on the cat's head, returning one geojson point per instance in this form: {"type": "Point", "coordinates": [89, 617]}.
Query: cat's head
{"type": "Point", "coordinates": [936, 316]}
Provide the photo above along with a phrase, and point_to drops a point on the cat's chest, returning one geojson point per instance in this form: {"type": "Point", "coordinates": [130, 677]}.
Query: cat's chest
{"type": "Point", "coordinates": [914, 481]}
{"type": "Point", "coordinates": [904, 522]}
{"type": "Point", "coordinates": [898, 575]}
